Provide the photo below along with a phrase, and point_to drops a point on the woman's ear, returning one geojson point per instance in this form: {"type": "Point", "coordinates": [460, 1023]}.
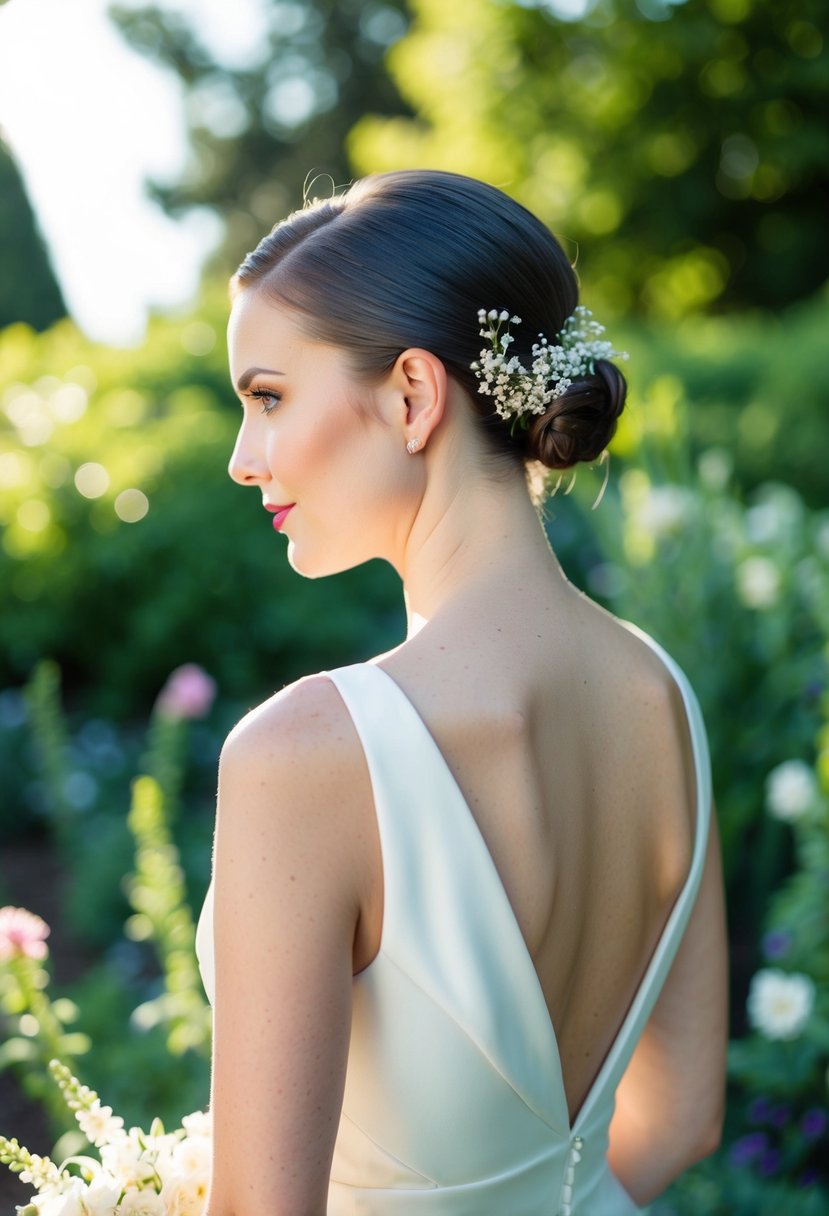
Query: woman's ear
{"type": "Point", "coordinates": [420, 383]}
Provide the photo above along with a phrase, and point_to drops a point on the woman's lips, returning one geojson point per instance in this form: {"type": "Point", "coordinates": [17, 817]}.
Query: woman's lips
{"type": "Point", "coordinates": [280, 514]}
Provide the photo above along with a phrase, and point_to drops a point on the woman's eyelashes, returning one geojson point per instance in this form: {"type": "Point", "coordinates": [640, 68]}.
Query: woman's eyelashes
{"type": "Point", "coordinates": [269, 399]}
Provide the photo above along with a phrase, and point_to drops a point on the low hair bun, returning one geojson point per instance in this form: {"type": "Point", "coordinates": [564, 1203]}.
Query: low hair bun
{"type": "Point", "coordinates": [580, 423]}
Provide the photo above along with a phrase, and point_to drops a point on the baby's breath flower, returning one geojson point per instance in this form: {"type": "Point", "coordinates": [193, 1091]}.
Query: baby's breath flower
{"type": "Point", "coordinates": [513, 389]}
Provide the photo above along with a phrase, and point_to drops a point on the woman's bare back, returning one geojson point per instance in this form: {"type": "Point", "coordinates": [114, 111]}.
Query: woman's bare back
{"type": "Point", "coordinates": [567, 737]}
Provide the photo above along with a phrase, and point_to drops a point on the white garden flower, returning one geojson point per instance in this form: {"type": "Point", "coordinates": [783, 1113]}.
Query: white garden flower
{"type": "Point", "coordinates": [715, 467]}
{"type": "Point", "coordinates": [126, 1164]}
{"type": "Point", "coordinates": [775, 516]}
{"type": "Point", "coordinates": [791, 790]}
{"type": "Point", "coordinates": [192, 1157]}
{"type": "Point", "coordinates": [99, 1125]}
{"type": "Point", "coordinates": [67, 1202]}
{"type": "Point", "coordinates": [184, 1196]}
{"type": "Point", "coordinates": [758, 582]}
{"type": "Point", "coordinates": [101, 1198]}
{"type": "Point", "coordinates": [142, 1203]}
{"type": "Point", "coordinates": [200, 1123]}
{"type": "Point", "coordinates": [779, 1004]}
{"type": "Point", "coordinates": [160, 1151]}
{"type": "Point", "coordinates": [664, 509]}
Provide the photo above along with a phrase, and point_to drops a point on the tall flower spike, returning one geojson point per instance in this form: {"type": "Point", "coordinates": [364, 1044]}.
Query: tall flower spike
{"type": "Point", "coordinates": [517, 392]}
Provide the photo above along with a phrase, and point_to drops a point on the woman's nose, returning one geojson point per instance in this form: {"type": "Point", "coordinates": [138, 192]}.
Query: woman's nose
{"type": "Point", "coordinates": [247, 464]}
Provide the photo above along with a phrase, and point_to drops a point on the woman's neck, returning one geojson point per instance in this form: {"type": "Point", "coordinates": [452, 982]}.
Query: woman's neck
{"type": "Point", "coordinates": [481, 535]}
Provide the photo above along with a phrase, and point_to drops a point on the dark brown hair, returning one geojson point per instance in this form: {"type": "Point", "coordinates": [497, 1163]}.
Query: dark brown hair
{"type": "Point", "coordinates": [407, 259]}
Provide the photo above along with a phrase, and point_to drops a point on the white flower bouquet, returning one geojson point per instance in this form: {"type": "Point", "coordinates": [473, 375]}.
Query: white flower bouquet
{"type": "Point", "coordinates": [139, 1173]}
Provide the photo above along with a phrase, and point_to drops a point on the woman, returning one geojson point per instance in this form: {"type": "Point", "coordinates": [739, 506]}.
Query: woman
{"type": "Point", "coordinates": [464, 897]}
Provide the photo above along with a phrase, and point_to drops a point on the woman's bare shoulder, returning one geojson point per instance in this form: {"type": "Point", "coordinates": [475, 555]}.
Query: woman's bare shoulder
{"type": "Point", "coordinates": [295, 763]}
{"type": "Point", "coordinates": [300, 721]}
{"type": "Point", "coordinates": [294, 779]}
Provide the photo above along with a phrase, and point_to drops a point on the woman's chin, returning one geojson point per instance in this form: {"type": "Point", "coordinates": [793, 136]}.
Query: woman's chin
{"type": "Point", "coordinates": [315, 565]}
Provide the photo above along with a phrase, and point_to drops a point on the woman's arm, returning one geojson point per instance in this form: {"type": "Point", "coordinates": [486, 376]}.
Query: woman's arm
{"type": "Point", "coordinates": [290, 844]}
{"type": "Point", "coordinates": [670, 1102]}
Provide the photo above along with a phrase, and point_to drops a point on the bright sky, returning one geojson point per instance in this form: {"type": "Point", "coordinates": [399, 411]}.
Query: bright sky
{"type": "Point", "coordinates": [88, 120]}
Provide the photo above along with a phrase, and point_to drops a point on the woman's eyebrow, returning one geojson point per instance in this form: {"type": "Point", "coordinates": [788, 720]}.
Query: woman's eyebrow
{"type": "Point", "coordinates": [246, 377]}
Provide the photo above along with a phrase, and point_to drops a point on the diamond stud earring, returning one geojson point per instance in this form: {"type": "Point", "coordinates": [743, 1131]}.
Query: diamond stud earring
{"type": "Point", "coordinates": [413, 445]}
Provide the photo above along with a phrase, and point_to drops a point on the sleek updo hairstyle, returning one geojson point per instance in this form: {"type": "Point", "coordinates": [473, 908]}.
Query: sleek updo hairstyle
{"type": "Point", "coordinates": [407, 259]}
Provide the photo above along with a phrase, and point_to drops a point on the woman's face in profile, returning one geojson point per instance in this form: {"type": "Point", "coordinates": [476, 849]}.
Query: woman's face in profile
{"type": "Point", "coordinates": [332, 470]}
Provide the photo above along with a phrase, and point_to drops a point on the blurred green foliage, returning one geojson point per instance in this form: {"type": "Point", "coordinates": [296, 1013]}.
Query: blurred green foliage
{"type": "Point", "coordinates": [157, 892]}
{"type": "Point", "coordinates": [684, 145]}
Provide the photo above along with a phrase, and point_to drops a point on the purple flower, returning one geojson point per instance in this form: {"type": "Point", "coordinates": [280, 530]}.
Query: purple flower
{"type": "Point", "coordinates": [744, 1150]}
{"type": "Point", "coordinates": [769, 1162]}
{"type": "Point", "coordinates": [776, 944]}
{"type": "Point", "coordinates": [759, 1111]}
{"type": "Point", "coordinates": [808, 1178]}
{"type": "Point", "coordinates": [781, 1115]}
{"type": "Point", "coordinates": [814, 1123]}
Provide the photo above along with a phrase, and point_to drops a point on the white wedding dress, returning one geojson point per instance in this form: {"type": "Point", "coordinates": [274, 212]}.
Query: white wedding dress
{"type": "Point", "coordinates": [454, 1103]}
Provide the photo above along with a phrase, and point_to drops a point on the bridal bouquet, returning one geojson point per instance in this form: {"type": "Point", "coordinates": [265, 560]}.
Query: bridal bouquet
{"type": "Point", "coordinates": [139, 1173]}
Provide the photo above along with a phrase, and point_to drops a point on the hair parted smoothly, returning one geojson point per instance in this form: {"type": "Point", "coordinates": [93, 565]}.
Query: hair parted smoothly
{"type": "Point", "coordinates": [421, 258]}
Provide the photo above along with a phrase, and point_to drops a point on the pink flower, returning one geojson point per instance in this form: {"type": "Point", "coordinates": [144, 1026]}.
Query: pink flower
{"type": "Point", "coordinates": [22, 934]}
{"type": "Point", "coordinates": [188, 693]}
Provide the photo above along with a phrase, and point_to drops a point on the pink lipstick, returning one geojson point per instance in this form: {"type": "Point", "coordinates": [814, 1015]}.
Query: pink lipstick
{"type": "Point", "coordinates": [280, 514]}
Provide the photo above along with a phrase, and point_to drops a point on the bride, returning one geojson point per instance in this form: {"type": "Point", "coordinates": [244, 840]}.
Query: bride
{"type": "Point", "coordinates": [464, 937]}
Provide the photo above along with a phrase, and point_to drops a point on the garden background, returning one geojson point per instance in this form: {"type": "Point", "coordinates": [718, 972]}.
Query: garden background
{"type": "Point", "coordinates": [680, 151]}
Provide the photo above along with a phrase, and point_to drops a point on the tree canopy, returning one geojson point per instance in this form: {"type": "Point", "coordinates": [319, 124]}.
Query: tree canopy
{"type": "Point", "coordinates": [684, 144]}
{"type": "Point", "coordinates": [257, 132]}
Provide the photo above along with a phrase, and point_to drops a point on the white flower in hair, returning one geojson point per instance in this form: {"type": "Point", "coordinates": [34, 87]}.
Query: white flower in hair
{"type": "Point", "coordinates": [516, 391]}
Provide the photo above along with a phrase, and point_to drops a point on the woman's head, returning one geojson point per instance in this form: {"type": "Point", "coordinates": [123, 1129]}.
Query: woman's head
{"type": "Point", "coordinates": [406, 260]}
